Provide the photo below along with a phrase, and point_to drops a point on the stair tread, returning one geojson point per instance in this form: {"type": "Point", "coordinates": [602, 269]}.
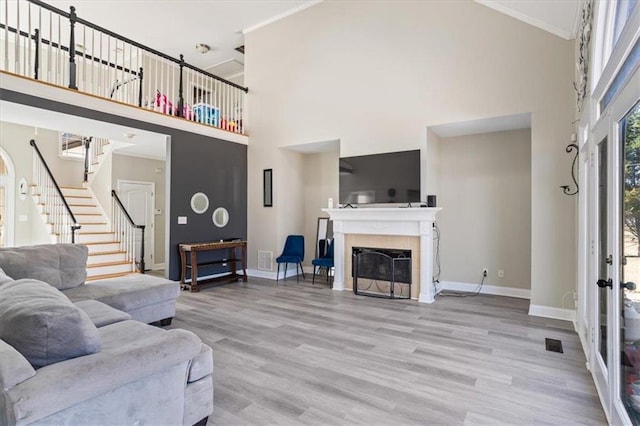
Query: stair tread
{"type": "Point", "coordinates": [82, 205]}
{"type": "Point", "coordinates": [115, 263]}
{"type": "Point", "coordinates": [95, 232]}
{"type": "Point", "coordinates": [104, 253]}
{"type": "Point", "coordinates": [88, 214]}
{"type": "Point", "coordinates": [73, 187]}
{"type": "Point", "coordinates": [104, 276]}
{"type": "Point", "coordinates": [78, 196]}
{"type": "Point", "coordinates": [101, 242]}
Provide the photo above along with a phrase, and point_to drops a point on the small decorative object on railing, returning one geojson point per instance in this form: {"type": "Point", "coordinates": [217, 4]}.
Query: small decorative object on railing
{"type": "Point", "coordinates": [566, 188]}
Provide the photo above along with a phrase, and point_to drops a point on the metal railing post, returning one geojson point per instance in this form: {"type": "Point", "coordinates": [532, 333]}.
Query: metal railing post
{"type": "Point", "coordinates": [140, 78]}
{"type": "Point", "coordinates": [180, 89]}
{"type": "Point", "coordinates": [72, 48]}
{"type": "Point", "coordinates": [36, 59]}
{"type": "Point", "coordinates": [142, 265]}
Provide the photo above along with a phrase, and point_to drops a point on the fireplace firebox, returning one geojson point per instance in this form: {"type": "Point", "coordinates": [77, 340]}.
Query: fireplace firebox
{"type": "Point", "coordinates": [380, 272]}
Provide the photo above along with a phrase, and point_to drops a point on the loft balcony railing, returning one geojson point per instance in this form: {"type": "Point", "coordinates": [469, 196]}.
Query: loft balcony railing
{"type": "Point", "coordinates": [42, 42]}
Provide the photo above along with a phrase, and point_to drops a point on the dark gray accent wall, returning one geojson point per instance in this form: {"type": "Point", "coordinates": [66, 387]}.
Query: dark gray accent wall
{"type": "Point", "coordinates": [219, 170]}
{"type": "Point", "coordinates": [198, 164]}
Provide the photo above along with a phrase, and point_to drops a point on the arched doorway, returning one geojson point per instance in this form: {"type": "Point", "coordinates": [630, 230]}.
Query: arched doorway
{"type": "Point", "coordinates": [7, 199]}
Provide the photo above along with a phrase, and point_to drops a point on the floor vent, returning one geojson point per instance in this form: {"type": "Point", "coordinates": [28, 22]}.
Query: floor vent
{"type": "Point", "coordinates": [265, 260]}
{"type": "Point", "coordinates": [553, 345]}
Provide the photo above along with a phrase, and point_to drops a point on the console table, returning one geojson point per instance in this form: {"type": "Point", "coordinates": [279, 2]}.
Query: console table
{"type": "Point", "coordinates": [194, 248]}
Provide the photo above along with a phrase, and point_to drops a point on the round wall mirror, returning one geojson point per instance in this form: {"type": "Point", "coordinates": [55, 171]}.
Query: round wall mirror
{"type": "Point", "coordinates": [199, 202]}
{"type": "Point", "coordinates": [220, 217]}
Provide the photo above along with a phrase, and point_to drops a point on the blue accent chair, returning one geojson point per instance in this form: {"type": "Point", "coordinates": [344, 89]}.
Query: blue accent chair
{"type": "Point", "coordinates": [325, 261]}
{"type": "Point", "coordinates": [293, 252]}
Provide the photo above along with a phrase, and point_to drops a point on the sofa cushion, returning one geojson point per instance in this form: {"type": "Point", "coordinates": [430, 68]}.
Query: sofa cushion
{"type": "Point", "coordinates": [4, 278]}
{"type": "Point", "coordinates": [127, 293]}
{"type": "Point", "coordinates": [101, 314]}
{"type": "Point", "coordinates": [61, 265]}
{"type": "Point", "coordinates": [43, 325]}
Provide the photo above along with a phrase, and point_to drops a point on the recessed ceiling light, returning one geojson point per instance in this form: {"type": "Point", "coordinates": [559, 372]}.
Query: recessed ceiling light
{"type": "Point", "coordinates": [129, 135]}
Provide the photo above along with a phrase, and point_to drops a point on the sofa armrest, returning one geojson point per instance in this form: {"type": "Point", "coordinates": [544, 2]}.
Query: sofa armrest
{"type": "Point", "coordinates": [201, 365]}
{"type": "Point", "coordinates": [14, 368]}
{"type": "Point", "coordinates": [61, 385]}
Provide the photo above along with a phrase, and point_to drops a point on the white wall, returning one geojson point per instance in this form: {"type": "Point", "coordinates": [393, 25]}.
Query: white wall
{"type": "Point", "coordinates": [375, 74]}
{"type": "Point", "coordinates": [486, 201]}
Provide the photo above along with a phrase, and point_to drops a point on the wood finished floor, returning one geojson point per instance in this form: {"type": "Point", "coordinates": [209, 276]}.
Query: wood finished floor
{"type": "Point", "coordinates": [291, 354]}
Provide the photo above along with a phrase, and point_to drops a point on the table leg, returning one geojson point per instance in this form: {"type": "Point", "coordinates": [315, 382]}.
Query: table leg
{"type": "Point", "coordinates": [194, 272]}
{"type": "Point", "coordinates": [244, 263]}
{"type": "Point", "coordinates": [183, 263]}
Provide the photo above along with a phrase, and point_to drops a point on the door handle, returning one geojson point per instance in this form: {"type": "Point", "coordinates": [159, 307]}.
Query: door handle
{"type": "Point", "coordinates": [629, 285]}
{"type": "Point", "coordinates": [603, 283]}
{"type": "Point", "coordinates": [609, 260]}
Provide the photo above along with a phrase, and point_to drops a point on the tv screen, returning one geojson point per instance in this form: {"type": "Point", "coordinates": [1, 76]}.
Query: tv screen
{"type": "Point", "coordinates": [392, 177]}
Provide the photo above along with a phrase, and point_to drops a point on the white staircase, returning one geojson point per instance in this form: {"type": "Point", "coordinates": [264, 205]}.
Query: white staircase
{"type": "Point", "coordinates": [106, 259]}
{"type": "Point", "coordinates": [109, 256]}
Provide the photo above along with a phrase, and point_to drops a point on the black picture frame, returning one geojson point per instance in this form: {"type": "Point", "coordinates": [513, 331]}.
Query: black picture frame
{"type": "Point", "coordinates": [267, 187]}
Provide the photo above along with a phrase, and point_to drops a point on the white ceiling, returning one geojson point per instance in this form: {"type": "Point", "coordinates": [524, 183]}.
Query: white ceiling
{"type": "Point", "coordinates": [175, 27]}
{"type": "Point", "coordinates": [142, 144]}
{"type": "Point", "coordinates": [559, 17]}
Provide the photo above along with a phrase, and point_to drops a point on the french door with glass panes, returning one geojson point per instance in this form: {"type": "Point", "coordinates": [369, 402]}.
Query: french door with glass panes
{"type": "Point", "coordinates": [615, 295]}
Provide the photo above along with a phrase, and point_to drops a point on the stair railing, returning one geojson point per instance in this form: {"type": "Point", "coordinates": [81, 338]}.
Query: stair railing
{"type": "Point", "coordinates": [58, 47]}
{"type": "Point", "coordinates": [60, 216]}
{"type": "Point", "coordinates": [125, 230]}
{"type": "Point", "coordinates": [86, 142]}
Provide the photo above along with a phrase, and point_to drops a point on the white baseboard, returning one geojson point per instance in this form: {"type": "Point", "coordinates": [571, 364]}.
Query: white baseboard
{"type": "Point", "coordinates": [550, 312]}
{"type": "Point", "coordinates": [157, 266]}
{"type": "Point", "coordinates": [486, 289]}
{"type": "Point", "coordinates": [271, 275]}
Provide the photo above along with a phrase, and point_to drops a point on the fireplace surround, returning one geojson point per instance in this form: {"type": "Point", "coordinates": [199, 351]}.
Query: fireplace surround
{"type": "Point", "coordinates": [386, 227]}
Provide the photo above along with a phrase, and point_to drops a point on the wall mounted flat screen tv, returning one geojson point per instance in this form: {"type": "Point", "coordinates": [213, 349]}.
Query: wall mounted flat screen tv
{"type": "Point", "coordinates": [392, 177]}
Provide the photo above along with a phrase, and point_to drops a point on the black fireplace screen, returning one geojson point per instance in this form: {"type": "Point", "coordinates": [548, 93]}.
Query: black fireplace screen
{"type": "Point", "coordinates": [381, 272]}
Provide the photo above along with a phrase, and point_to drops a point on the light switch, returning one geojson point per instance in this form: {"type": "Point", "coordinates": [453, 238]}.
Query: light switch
{"type": "Point", "coordinates": [23, 218]}
{"type": "Point", "coordinates": [182, 220]}
{"type": "Point", "coordinates": [157, 211]}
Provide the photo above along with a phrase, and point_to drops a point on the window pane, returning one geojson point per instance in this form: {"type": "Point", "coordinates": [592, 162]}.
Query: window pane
{"type": "Point", "coordinates": [623, 11]}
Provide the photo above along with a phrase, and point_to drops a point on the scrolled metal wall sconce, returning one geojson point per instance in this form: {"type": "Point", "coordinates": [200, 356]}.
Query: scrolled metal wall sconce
{"type": "Point", "coordinates": [566, 189]}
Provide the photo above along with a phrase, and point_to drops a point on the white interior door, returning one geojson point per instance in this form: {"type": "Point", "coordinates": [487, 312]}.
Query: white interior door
{"type": "Point", "coordinates": [137, 198]}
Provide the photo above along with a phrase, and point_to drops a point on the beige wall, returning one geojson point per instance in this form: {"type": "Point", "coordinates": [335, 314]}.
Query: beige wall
{"type": "Point", "coordinates": [433, 165]}
{"type": "Point", "coordinates": [486, 201]}
{"type": "Point", "coordinates": [146, 170]}
{"type": "Point", "coordinates": [375, 74]}
{"type": "Point", "coordinates": [320, 183]}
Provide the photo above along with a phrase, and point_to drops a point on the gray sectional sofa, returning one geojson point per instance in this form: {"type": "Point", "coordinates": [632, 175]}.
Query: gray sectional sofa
{"type": "Point", "coordinates": [67, 357]}
{"type": "Point", "coordinates": [146, 298]}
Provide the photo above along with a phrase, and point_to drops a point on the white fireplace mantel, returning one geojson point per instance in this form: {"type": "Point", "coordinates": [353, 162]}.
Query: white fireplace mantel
{"type": "Point", "coordinates": [417, 221]}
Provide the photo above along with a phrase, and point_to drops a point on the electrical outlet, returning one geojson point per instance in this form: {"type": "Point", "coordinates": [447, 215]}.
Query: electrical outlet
{"type": "Point", "coordinates": [485, 272]}
{"type": "Point", "coordinates": [500, 273]}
